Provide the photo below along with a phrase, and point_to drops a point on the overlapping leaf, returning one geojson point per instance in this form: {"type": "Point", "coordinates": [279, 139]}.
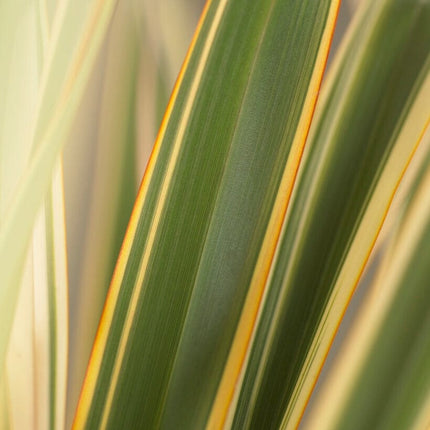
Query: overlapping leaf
{"type": "Point", "coordinates": [381, 377]}
{"type": "Point", "coordinates": [208, 214]}
{"type": "Point", "coordinates": [370, 119]}
{"type": "Point", "coordinates": [78, 30]}
{"type": "Point", "coordinates": [133, 97]}
{"type": "Point", "coordinates": [34, 376]}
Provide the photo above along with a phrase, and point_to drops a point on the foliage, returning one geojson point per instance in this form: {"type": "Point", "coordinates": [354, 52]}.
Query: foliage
{"type": "Point", "coordinates": [262, 204]}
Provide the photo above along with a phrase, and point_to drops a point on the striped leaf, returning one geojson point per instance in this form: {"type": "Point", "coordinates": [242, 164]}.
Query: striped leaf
{"type": "Point", "coordinates": [113, 189]}
{"type": "Point", "coordinates": [208, 215]}
{"type": "Point", "coordinates": [380, 378]}
{"type": "Point", "coordinates": [133, 97]}
{"type": "Point", "coordinates": [367, 126]}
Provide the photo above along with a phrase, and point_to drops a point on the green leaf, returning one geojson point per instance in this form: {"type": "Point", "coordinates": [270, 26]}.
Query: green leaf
{"type": "Point", "coordinates": [133, 97]}
{"type": "Point", "coordinates": [381, 378]}
{"type": "Point", "coordinates": [208, 214]}
{"type": "Point", "coordinates": [367, 126]}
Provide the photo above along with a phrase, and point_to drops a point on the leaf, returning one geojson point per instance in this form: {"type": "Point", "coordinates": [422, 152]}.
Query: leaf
{"type": "Point", "coordinates": [20, 374]}
{"type": "Point", "coordinates": [166, 29]}
{"type": "Point", "coordinates": [34, 379]}
{"type": "Point", "coordinates": [37, 352]}
{"type": "Point", "coordinates": [113, 187]}
{"type": "Point", "coordinates": [371, 116]}
{"type": "Point", "coordinates": [133, 96]}
{"type": "Point", "coordinates": [77, 30]}
{"type": "Point", "coordinates": [4, 407]}
{"type": "Point", "coordinates": [19, 75]}
{"type": "Point", "coordinates": [210, 206]}
{"type": "Point", "coordinates": [51, 308]}
{"type": "Point", "coordinates": [381, 377]}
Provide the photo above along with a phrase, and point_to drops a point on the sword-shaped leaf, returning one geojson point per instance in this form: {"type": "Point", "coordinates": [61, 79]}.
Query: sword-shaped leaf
{"type": "Point", "coordinates": [381, 376]}
{"type": "Point", "coordinates": [208, 214]}
{"type": "Point", "coordinates": [370, 119]}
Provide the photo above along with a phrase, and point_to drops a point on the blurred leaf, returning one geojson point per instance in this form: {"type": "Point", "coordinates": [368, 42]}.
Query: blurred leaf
{"type": "Point", "coordinates": [4, 407]}
{"type": "Point", "coordinates": [51, 307]}
{"type": "Point", "coordinates": [215, 190]}
{"type": "Point", "coordinates": [48, 8]}
{"type": "Point", "coordinates": [20, 61]}
{"type": "Point", "coordinates": [37, 352]}
{"type": "Point", "coordinates": [168, 28]}
{"type": "Point", "coordinates": [31, 371]}
{"type": "Point", "coordinates": [20, 378]}
{"type": "Point", "coordinates": [79, 30]}
{"type": "Point", "coordinates": [166, 31]}
{"type": "Point", "coordinates": [113, 187]}
{"type": "Point", "coordinates": [381, 376]}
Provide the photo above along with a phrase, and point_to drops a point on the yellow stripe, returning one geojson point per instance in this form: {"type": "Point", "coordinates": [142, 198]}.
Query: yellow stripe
{"type": "Point", "coordinates": [241, 342]}
{"type": "Point", "coordinates": [106, 320]}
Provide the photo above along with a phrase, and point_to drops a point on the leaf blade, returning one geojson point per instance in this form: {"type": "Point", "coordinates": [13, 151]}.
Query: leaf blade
{"type": "Point", "coordinates": [317, 237]}
{"type": "Point", "coordinates": [391, 332]}
{"type": "Point", "coordinates": [93, 398]}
